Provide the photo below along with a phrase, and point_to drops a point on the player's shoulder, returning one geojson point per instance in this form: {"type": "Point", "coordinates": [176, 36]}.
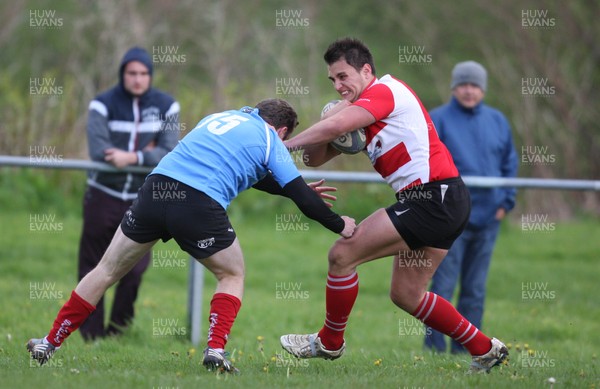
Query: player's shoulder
{"type": "Point", "coordinates": [249, 117]}
{"type": "Point", "coordinates": [386, 82]}
{"type": "Point", "coordinates": [243, 124]}
{"type": "Point", "coordinates": [391, 85]}
{"type": "Point", "coordinates": [388, 79]}
{"type": "Point", "coordinates": [379, 88]}
{"type": "Point", "coordinates": [391, 82]}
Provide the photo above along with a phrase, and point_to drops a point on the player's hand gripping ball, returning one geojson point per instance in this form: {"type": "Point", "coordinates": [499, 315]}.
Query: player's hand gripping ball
{"type": "Point", "coordinates": [352, 142]}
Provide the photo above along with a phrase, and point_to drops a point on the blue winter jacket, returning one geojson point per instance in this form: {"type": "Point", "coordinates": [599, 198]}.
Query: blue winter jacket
{"type": "Point", "coordinates": [481, 144]}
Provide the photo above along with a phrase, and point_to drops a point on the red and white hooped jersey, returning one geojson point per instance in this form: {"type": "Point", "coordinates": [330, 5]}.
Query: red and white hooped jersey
{"type": "Point", "coordinates": [403, 144]}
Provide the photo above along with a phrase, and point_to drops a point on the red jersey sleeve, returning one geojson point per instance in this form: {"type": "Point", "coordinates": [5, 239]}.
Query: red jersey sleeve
{"type": "Point", "coordinates": [378, 100]}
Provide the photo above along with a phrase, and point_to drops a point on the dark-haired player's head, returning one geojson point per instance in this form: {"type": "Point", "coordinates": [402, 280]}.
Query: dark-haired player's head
{"type": "Point", "coordinates": [278, 113]}
{"type": "Point", "coordinates": [352, 50]}
{"type": "Point", "coordinates": [350, 67]}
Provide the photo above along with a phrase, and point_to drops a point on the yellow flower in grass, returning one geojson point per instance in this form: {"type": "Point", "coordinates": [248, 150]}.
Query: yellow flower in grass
{"type": "Point", "coordinates": [377, 362]}
{"type": "Point", "coordinates": [191, 352]}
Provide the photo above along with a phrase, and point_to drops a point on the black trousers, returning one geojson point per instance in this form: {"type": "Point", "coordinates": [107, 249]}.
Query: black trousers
{"type": "Point", "coordinates": [102, 215]}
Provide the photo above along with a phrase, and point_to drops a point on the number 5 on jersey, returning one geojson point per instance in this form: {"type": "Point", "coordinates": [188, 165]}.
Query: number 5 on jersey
{"type": "Point", "coordinates": [220, 123]}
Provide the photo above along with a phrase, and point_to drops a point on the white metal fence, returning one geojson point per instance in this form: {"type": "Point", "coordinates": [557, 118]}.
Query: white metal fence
{"type": "Point", "coordinates": [196, 275]}
{"type": "Point", "coordinates": [338, 176]}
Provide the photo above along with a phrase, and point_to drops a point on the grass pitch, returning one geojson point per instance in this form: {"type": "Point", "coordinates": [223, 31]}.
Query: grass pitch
{"type": "Point", "coordinates": [541, 301]}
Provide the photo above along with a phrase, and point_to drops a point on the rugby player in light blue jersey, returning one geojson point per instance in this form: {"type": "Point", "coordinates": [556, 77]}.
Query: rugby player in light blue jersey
{"type": "Point", "coordinates": [185, 198]}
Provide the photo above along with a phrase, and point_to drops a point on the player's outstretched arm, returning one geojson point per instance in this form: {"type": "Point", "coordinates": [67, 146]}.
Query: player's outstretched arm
{"type": "Point", "coordinates": [313, 206]}
{"type": "Point", "coordinates": [317, 155]}
{"type": "Point", "coordinates": [344, 121]}
{"type": "Point", "coordinates": [271, 186]}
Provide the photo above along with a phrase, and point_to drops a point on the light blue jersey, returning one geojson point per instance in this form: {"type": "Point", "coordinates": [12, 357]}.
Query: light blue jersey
{"type": "Point", "coordinates": [227, 153]}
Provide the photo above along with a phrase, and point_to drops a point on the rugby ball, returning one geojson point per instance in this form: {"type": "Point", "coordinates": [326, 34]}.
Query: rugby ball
{"type": "Point", "coordinates": [352, 142]}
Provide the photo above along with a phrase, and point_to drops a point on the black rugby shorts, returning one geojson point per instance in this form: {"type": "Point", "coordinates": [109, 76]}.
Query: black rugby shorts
{"type": "Point", "coordinates": [432, 214]}
{"type": "Point", "coordinates": [166, 208]}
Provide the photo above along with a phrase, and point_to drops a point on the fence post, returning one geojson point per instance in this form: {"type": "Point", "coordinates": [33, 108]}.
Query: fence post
{"type": "Point", "coordinates": [195, 294]}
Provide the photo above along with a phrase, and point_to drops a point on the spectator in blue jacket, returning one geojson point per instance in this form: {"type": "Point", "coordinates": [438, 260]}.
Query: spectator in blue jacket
{"type": "Point", "coordinates": [480, 141]}
{"type": "Point", "coordinates": [131, 124]}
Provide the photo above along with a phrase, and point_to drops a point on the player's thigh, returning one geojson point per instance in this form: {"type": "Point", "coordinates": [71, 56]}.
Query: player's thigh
{"type": "Point", "coordinates": [227, 262]}
{"type": "Point", "coordinates": [375, 237]}
{"type": "Point", "coordinates": [120, 257]}
{"type": "Point", "coordinates": [122, 254]}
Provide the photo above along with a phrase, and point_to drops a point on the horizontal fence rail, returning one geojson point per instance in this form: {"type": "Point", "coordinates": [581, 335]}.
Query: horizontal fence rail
{"type": "Point", "coordinates": [339, 176]}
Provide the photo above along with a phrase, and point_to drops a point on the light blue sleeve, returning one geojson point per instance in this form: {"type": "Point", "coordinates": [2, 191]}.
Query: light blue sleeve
{"type": "Point", "coordinates": [280, 162]}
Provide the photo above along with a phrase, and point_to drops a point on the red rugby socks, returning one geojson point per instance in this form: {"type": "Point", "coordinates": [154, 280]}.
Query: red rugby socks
{"type": "Point", "coordinates": [440, 315]}
{"type": "Point", "coordinates": [340, 295]}
{"type": "Point", "coordinates": [69, 318]}
{"type": "Point", "coordinates": [223, 311]}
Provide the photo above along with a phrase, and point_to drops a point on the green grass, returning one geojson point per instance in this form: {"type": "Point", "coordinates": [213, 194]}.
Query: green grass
{"type": "Point", "coordinates": [560, 326]}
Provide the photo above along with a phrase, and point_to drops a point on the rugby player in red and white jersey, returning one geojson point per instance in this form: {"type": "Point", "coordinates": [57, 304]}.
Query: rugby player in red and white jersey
{"type": "Point", "coordinates": [431, 210]}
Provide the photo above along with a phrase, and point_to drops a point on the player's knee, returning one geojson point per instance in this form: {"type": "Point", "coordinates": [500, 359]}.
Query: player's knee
{"type": "Point", "coordinates": [407, 299]}
{"type": "Point", "coordinates": [230, 274]}
{"type": "Point", "coordinates": [338, 256]}
{"type": "Point", "coordinates": [397, 298]}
